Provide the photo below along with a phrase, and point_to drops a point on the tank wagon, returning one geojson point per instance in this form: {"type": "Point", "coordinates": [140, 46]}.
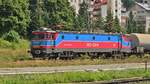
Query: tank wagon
{"type": "Point", "coordinates": [140, 43]}
{"type": "Point", "coordinates": [54, 44]}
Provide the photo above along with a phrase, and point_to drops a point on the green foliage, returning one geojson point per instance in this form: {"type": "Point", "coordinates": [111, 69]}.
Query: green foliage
{"type": "Point", "coordinates": [60, 12]}
{"type": "Point", "coordinates": [99, 24]}
{"type": "Point", "coordinates": [14, 16]}
{"type": "Point", "coordinates": [78, 21]}
{"type": "Point", "coordinates": [11, 36]}
{"type": "Point", "coordinates": [117, 26]}
{"type": "Point", "coordinates": [128, 3]}
{"type": "Point", "coordinates": [49, 13]}
{"type": "Point", "coordinates": [109, 22]}
{"type": "Point", "coordinates": [73, 77]}
{"type": "Point", "coordinates": [82, 20]}
{"type": "Point", "coordinates": [131, 24]}
{"type": "Point", "coordinates": [4, 43]}
{"type": "Point", "coordinates": [13, 56]}
{"type": "Point", "coordinates": [37, 13]}
{"type": "Point", "coordinates": [21, 44]}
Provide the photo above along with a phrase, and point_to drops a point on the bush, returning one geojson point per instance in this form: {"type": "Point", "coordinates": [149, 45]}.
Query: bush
{"type": "Point", "coordinates": [21, 44]}
{"type": "Point", "coordinates": [12, 36]}
{"type": "Point", "coordinates": [4, 44]}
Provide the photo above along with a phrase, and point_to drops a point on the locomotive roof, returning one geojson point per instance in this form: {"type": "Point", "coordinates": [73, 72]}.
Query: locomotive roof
{"type": "Point", "coordinates": [77, 32]}
{"type": "Point", "coordinates": [96, 33]}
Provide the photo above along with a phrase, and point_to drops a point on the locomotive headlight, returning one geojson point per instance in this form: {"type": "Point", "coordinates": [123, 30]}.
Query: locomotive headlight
{"type": "Point", "coordinates": [37, 52]}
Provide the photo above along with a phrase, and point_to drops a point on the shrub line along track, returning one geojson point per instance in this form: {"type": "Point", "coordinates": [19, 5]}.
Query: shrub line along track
{"type": "Point", "coordinates": [32, 70]}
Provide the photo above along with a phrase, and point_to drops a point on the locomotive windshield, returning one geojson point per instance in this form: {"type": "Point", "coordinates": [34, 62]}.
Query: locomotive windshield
{"type": "Point", "coordinates": [38, 36]}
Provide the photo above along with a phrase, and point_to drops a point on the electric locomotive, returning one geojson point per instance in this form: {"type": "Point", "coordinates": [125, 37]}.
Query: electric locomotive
{"type": "Point", "coordinates": [54, 44]}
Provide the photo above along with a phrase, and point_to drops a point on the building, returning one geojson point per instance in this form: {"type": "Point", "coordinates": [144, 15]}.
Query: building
{"type": "Point", "coordinates": [76, 4]}
{"type": "Point", "coordinates": [115, 7]}
{"type": "Point", "coordinates": [141, 13]}
{"type": "Point", "coordinates": [99, 7]}
{"type": "Point", "coordinates": [124, 16]}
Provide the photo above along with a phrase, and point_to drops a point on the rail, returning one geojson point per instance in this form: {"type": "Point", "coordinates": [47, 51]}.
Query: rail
{"type": "Point", "coordinates": [120, 81]}
{"type": "Point", "coordinates": [125, 81]}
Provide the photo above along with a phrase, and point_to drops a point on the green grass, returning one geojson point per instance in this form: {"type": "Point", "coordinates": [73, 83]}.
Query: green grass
{"type": "Point", "coordinates": [20, 58]}
{"type": "Point", "coordinates": [13, 55]}
{"type": "Point", "coordinates": [12, 52]}
{"type": "Point", "coordinates": [72, 77]}
{"type": "Point", "coordinates": [49, 63]}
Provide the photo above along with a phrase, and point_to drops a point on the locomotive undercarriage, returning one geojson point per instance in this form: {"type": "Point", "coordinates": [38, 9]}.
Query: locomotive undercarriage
{"type": "Point", "coordinates": [70, 54]}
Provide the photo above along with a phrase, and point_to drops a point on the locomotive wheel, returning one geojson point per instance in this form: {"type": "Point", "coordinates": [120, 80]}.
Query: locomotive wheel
{"type": "Point", "coordinates": [93, 55]}
{"type": "Point", "coordinates": [118, 56]}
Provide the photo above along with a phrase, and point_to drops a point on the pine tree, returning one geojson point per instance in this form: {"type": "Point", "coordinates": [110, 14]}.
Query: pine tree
{"type": "Point", "coordinates": [83, 16]}
{"type": "Point", "coordinates": [99, 23]}
{"type": "Point", "coordinates": [117, 26]}
{"type": "Point", "coordinates": [128, 3]}
{"type": "Point", "coordinates": [109, 22]}
{"type": "Point", "coordinates": [131, 24]}
{"type": "Point", "coordinates": [59, 12]}
{"type": "Point", "coordinates": [37, 13]}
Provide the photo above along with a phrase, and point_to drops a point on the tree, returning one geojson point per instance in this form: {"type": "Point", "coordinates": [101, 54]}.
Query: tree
{"type": "Point", "coordinates": [99, 23]}
{"type": "Point", "coordinates": [59, 12]}
{"type": "Point", "coordinates": [109, 22]}
{"type": "Point", "coordinates": [14, 16]}
{"type": "Point", "coordinates": [131, 24]}
{"type": "Point", "coordinates": [117, 26]}
{"type": "Point", "coordinates": [83, 16]}
{"type": "Point", "coordinates": [51, 13]}
{"type": "Point", "coordinates": [37, 15]}
{"type": "Point", "coordinates": [128, 3]}
{"type": "Point", "coordinates": [77, 23]}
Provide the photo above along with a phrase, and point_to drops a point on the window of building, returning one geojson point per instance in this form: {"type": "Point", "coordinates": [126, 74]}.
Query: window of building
{"type": "Point", "coordinates": [145, 2]}
{"type": "Point", "coordinates": [116, 10]}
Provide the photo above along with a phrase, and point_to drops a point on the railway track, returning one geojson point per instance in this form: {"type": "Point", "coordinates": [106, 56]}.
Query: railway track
{"type": "Point", "coordinates": [122, 81]}
{"type": "Point", "coordinates": [32, 70]}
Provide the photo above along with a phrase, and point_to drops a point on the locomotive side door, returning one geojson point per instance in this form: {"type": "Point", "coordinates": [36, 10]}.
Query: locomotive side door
{"type": "Point", "coordinates": [119, 43]}
{"type": "Point", "coordinates": [52, 36]}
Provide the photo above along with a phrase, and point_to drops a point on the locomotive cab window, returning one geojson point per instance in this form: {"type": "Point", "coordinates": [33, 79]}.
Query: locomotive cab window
{"type": "Point", "coordinates": [38, 36]}
{"type": "Point", "coordinates": [50, 36]}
